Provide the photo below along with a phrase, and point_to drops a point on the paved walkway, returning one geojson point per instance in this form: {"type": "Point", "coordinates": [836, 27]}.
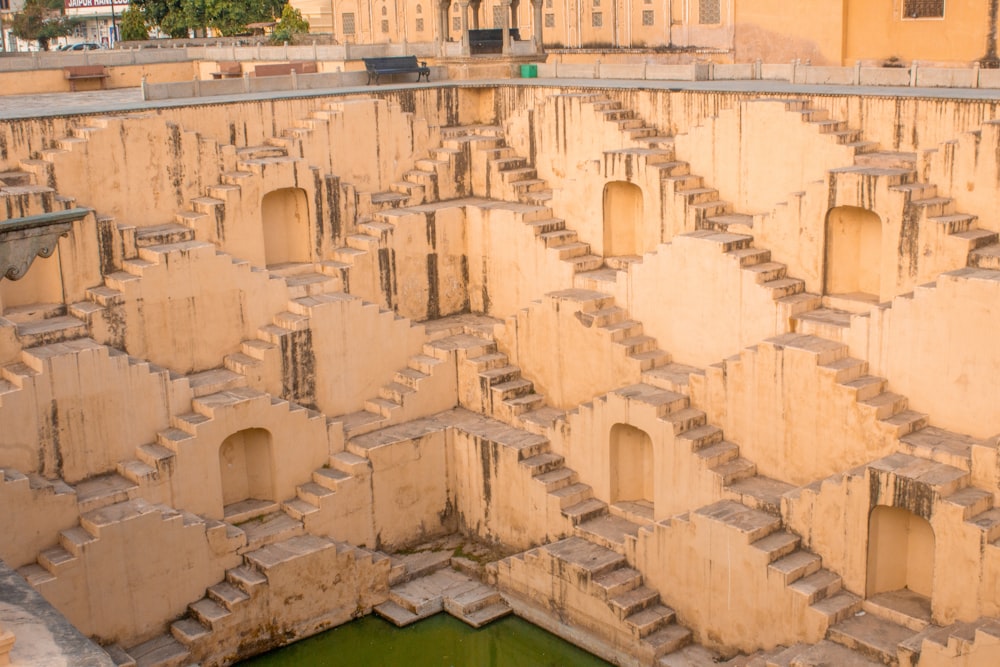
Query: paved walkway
{"type": "Point", "coordinates": [130, 99]}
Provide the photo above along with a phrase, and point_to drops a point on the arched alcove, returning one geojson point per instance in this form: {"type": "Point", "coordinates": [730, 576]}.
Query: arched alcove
{"type": "Point", "coordinates": [623, 209]}
{"type": "Point", "coordinates": [900, 552]}
{"type": "Point", "coordinates": [245, 466]}
{"type": "Point", "coordinates": [41, 284]}
{"type": "Point", "coordinates": [285, 220]}
{"type": "Point", "coordinates": [631, 467]}
{"type": "Point", "coordinates": [853, 252]}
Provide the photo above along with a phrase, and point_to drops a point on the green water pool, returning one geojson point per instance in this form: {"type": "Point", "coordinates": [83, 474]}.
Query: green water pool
{"type": "Point", "coordinates": [439, 641]}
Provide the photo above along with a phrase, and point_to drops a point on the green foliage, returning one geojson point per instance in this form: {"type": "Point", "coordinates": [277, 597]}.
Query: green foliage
{"type": "Point", "coordinates": [291, 24]}
{"type": "Point", "coordinates": [42, 21]}
{"type": "Point", "coordinates": [168, 15]}
{"type": "Point", "coordinates": [133, 25]}
{"type": "Point", "coordinates": [230, 17]}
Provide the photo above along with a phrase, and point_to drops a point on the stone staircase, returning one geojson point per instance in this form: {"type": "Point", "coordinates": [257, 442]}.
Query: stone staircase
{"type": "Point", "coordinates": [800, 571]}
{"type": "Point", "coordinates": [75, 543]}
{"type": "Point", "coordinates": [22, 193]}
{"type": "Point", "coordinates": [468, 600]}
{"type": "Point", "coordinates": [211, 631]}
{"type": "Point", "coordinates": [275, 343]}
{"type": "Point", "coordinates": [871, 392]}
{"type": "Point", "coordinates": [508, 176]}
{"type": "Point", "coordinates": [619, 608]}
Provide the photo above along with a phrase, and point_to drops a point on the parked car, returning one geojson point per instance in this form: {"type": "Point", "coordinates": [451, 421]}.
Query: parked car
{"type": "Point", "coordinates": [82, 46]}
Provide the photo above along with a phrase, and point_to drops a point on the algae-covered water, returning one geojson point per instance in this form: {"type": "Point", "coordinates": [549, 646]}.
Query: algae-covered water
{"type": "Point", "coordinates": [439, 641]}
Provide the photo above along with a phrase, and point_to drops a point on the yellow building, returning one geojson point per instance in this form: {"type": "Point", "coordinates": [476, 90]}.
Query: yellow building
{"type": "Point", "coordinates": [834, 33]}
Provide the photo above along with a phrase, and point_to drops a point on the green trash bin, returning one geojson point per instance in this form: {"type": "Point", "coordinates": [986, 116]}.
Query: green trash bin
{"type": "Point", "coordinates": [529, 71]}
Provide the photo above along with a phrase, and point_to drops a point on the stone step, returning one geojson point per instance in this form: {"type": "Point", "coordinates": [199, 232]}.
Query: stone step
{"type": "Point", "coordinates": [187, 631]}
{"type": "Point", "coordinates": [585, 511]}
{"type": "Point", "coordinates": [668, 639]}
{"type": "Point", "coordinates": [735, 470]}
{"type": "Point", "coordinates": [874, 637]}
{"type": "Point", "coordinates": [937, 444]}
{"type": "Point", "coordinates": [818, 585]}
{"type": "Point", "coordinates": [760, 492]}
{"type": "Point", "coordinates": [752, 524]}
{"type": "Point", "coordinates": [227, 594]}
{"type": "Point", "coordinates": [838, 606]}
{"type": "Point", "coordinates": [161, 651]}
{"type": "Point", "coordinates": [799, 563]}
{"type": "Point", "coordinates": [572, 494]}
{"type": "Point", "coordinates": [777, 545]}
{"type": "Point", "coordinates": [544, 464]}
{"type": "Point", "coordinates": [248, 579]}
{"type": "Point", "coordinates": [616, 582]}
{"type": "Point", "coordinates": [825, 654]}
{"type": "Point", "coordinates": [633, 601]}
{"type": "Point", "coordinates": [209, 613]}
{"type": "Point", "coordinates": [610, 531]}
{"type": "Point", "coordinates": [583, 556]}
{"type": "Point", "coordinates": [943, 479]}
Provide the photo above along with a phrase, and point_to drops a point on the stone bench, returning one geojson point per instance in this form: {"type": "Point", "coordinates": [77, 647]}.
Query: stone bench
{"type": "Point", "coordinates": [284, 69]}
{"type": "Point", "coordinates": [228, 70]}
{"type": "Point", "coordinates": [85, 72]}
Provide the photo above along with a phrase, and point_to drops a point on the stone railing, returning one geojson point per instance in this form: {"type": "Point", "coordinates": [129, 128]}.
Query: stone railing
{"type": "Point", "coordinates": [795, 72]}
{"type": "Point", "coordinates": [244, 53]}
{"type": "Point", "coordinates": [263, 84]}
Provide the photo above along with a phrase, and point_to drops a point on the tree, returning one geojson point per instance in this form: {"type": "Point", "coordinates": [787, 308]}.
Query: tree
{"type": "Point", "coordinates": [232, 18]}
{"type": "Point", "coordinates": [133, 25]}
{"type": "Point", "coordinates": [229, 17]}
{"type": "Point", "coordinates": [291, 24]}
{"type": "Point", "coordinates": [168, 15]}
{"type": "Point", "coordinates": [41, 21]}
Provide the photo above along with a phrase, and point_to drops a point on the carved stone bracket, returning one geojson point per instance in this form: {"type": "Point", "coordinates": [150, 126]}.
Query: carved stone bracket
{"type": "Point", "coordinates": [23, 239]}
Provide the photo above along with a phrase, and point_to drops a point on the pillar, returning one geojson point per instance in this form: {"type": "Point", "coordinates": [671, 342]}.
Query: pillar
{"type": "Point", "coordinates": [466, 50]}
{"type": "Point", "coordinates": [536, 18]}
{"type": "Point", "coordinates": [505, 25]}
{"type": "Point", "coordinates": [443, 20]}
{"type": "Point", "coordinates": [476, 6]}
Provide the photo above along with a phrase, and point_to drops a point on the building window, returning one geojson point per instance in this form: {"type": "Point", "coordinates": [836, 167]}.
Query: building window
{"type": "Point", "coordinates": [647, 17]}
{"type": "Point", "coordinates": [498, 16]}
{"type": "Point", "coordinates": [385, 26]}
{"type": "Point", "coordinates": [420, 10]}
{"type": "Point", "coordinates": [420, 25]}
{"type": "Point", "coordinates": [456, 24]}
{"type": "Point", "coordinates": [597, 20]}
{"type": "Point", "coordinates": [385, 12]}
{"type": "Point", "coordinates": [709, 12]}
{"type": "Point", "coordinates": [548, 4]}
{"type": "Point", "coordinates": [4, 4]}
{"type": "Point", "coordinates": [348, 21]}
{"type": "Point", "coordinates": [597, 3]}
{"type": "Point", "coordinates": [923, 9]}
{"type": "Point", "coordinates": [550, 20]}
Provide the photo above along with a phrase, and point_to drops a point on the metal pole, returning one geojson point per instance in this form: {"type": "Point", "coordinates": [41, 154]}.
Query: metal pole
{"type": "Point", "coordinates": [114, 26]}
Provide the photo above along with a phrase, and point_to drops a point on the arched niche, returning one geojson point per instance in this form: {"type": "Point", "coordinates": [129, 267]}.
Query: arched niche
{"type": "Point", "coordinates": [853, 253]}
{"type": "Point", "coordinates": [246, 466]}
{"type": "Point", "coordinates": [41, 284]}
{"type": "Point", "coordinates": [900, 552]}
{"type": "Point", "coordinates": [631, 457]}
{"type": "Point", "coordinates": [285, 221]}
{"type": "Point", "coordinates": [623, 210]}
